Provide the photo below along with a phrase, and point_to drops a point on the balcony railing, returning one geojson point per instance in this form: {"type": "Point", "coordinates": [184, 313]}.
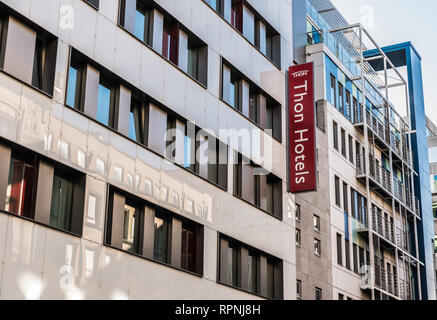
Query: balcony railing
{"type": "Point", "coordinates": [378, 173]}
{"type": "Point", "coordinates": [405, 289]}
{"type": "Point", "coordinates": [386, 280]}
{"type": "Point", "coordinates": [402, 239]}
{"type": "Point", "coordinates": [383, 226]}
{"type": "Point", "coordinates": [378, 126]}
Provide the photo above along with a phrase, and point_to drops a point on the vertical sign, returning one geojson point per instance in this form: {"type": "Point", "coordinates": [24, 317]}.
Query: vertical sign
{"type": "Point", "coordinates": [302, 149]}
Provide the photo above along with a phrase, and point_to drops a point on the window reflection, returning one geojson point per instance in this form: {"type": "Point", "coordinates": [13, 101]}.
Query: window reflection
{"type": "Point", "coordinates": [62, 201]}
{"type": "Point", "coordinates": [105, 104]}
{"type": "Point", "coordinates": [129, 225]}
{"type": "Point", "coordinates": [19, 195]}
{"type": "Point", "coordinates": [161, 239]}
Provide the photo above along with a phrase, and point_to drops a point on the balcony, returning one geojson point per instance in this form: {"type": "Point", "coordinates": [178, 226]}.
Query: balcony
{"type": "Point", "coordinates": [382, 226]}
{"type": "Point", "coordinates": [386, 280]}
{"type": "Point", "coordinates": [404, 196]}
{"type": "Point", "coordinates": [402, 239]}
{"type": "Point", "coordinates": [379, 176]}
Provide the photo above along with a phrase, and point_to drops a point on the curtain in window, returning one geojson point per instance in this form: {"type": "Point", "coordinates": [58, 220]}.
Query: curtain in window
{"type": "Point", "coordinates": [62, 203]}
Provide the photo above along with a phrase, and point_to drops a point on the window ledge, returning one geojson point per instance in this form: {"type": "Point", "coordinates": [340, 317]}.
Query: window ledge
{"type": "Point", "coordinates": [91, 5]}
{"type": "Point", "coordinates": [48, 95]}
{"type": "Point", "coordinates": [40, 223]}
{"type": "Point", "coordinates": [255, 206]}
{"type": "Point", "coordinates": [198, 275]}
{"type": "Point", "coordinates": [243, 290]}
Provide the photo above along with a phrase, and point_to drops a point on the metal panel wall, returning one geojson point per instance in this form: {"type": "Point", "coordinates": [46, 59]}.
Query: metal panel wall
{"type": "Point", "coordinates": [20, 50]}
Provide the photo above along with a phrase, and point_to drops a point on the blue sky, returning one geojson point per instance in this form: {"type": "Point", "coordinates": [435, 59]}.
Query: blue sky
{"type": "Point", "coordinates": [396, 21]}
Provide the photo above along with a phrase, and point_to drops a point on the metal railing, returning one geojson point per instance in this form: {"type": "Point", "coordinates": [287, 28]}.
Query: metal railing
{"type": "Point", "coordinates": [404, 290]}
{"type": "Point", "coordinates": [383, 226]}
{"type": "Point", "coordinates": [398, 190]}
{"type": "Point", "coordinates": [378, 126]}
{"type": "Point", "coordinates": [377, 172]}
{"type": "Point", "coordinates": [402, 239]}
{"type": "Point", "coordinates": [385, 280]}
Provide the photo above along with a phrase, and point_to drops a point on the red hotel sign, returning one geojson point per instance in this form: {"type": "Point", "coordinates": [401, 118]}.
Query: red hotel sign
{"type": "Point", "coordinates": [302, 128]}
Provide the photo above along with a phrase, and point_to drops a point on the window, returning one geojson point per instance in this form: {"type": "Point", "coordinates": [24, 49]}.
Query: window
{"type": "Point", "coordinates": [273, 119]}
{"type": "Point", "coordinates": [267, 40]}
{"type": "Point", "coordinates": [237, 260]}
{"type": "Point", "coordinates": [435, 244]}
{"type": "Point", "coordinates": [340, 104]}
{"type": "Point", "coordinates": [193, 60]}
{"type": "Point", "coordinates": [237, 15]}
{"type": "Point", "coordinates": [340, 296]}
{"type": "Point", "coordinates": [137, 121]}
{"type": "Point", "coordinates": [343, 142]}
{"type": "Point", "coordinates": [38, 190]}
{"type": "Point", "coordinates": [274, 196]}
{"type": "Point", "coordinates": [355, 258]}
{"type": "Point", "coordinates": [298, 238]}
{"type": "Point", "coordinates": [332, 92]}
{"type": "Point", "coordinates": [316, 223]}
{"type": "Point", "coordinates": [162, 226]}
{"type": "Point", "coordinates": [298, 213]}
{"type": "Point", "coordinates": [248, 185]}
{"type": "Point", "coordinates": [348, 105]}
{"type": "Point", "coordinates": [66, 199]}
{"type": "Point", "coordinates": [251, 101]}
{"type": "Point", "coordinates": [348, 254]}
{"type": "Point", "coordinates": [317, 247]}
{"type": "Point", "coordinates": [21, 185]}
{"type": "Point", "coordinates": [44, 64]}
{"type": "Point", "coordinates": [271, 278]}
{"type": "Point", "coordinates": [94, 3]}
{"type": "Point", "coordinates": [170, 43]}
{"type": "Point", "coordinates": [252, 275]}
{"type": "Point", "coordinates": [335, 135]}
{"type": "Point", "coordinates": [135, 226]}
{"type": "Point", "coordinates": [234, 90]}
{"type": "Point", "coordinates": [299, 289]}
{"type": "Point", "coordinates": [130, 234]}
{"type": "Point", "coordinates": [189, 246]}
{"type": "Point", "coordinates": [434, 210]}
{"type": "Point", "coordinates": [143, 25]}
{"type": "Point", "coordinates": [106, 103]}
{"type": "Point", "coordinates": [345, 198]}
{"type": "Point", "coordinates": [74, 85]}
{"type": "Point", "coordinates": [27, 52]}
{"type": "Point", "coordinates": [351, 149]}
{"type": "Point", "coordinates": [339, 250]}
{"type": "Point", "coordinates": [337, 191]}
{"type": "Point", "coordinates": [318, 294]}
{"type": "Point", "coordinates": [355, 116]}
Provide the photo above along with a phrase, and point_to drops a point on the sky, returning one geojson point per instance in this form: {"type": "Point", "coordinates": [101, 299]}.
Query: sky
{"type": "Point", "coordinates": [396, 21]}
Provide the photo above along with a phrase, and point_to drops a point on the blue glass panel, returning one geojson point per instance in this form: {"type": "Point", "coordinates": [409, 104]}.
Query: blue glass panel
{"type": "Point", "coordinates": [187, 154]}
{"type": "Point", "coordinates": [132, 131]}
{"type": "Point", "coordinates": [71, 91]}
{"type": "Point", "coordinates": [103, 105]}
{"type": "Point", "coordinates": [140, 21]}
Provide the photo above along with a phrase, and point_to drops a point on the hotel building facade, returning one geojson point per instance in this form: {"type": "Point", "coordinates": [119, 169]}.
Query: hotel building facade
{"type": "Point", "coordinates": [120, 174]}
{"type": "Point", "coordinates": [367, 232]}
{"type": "Point", "coordinates": [144, 154]}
